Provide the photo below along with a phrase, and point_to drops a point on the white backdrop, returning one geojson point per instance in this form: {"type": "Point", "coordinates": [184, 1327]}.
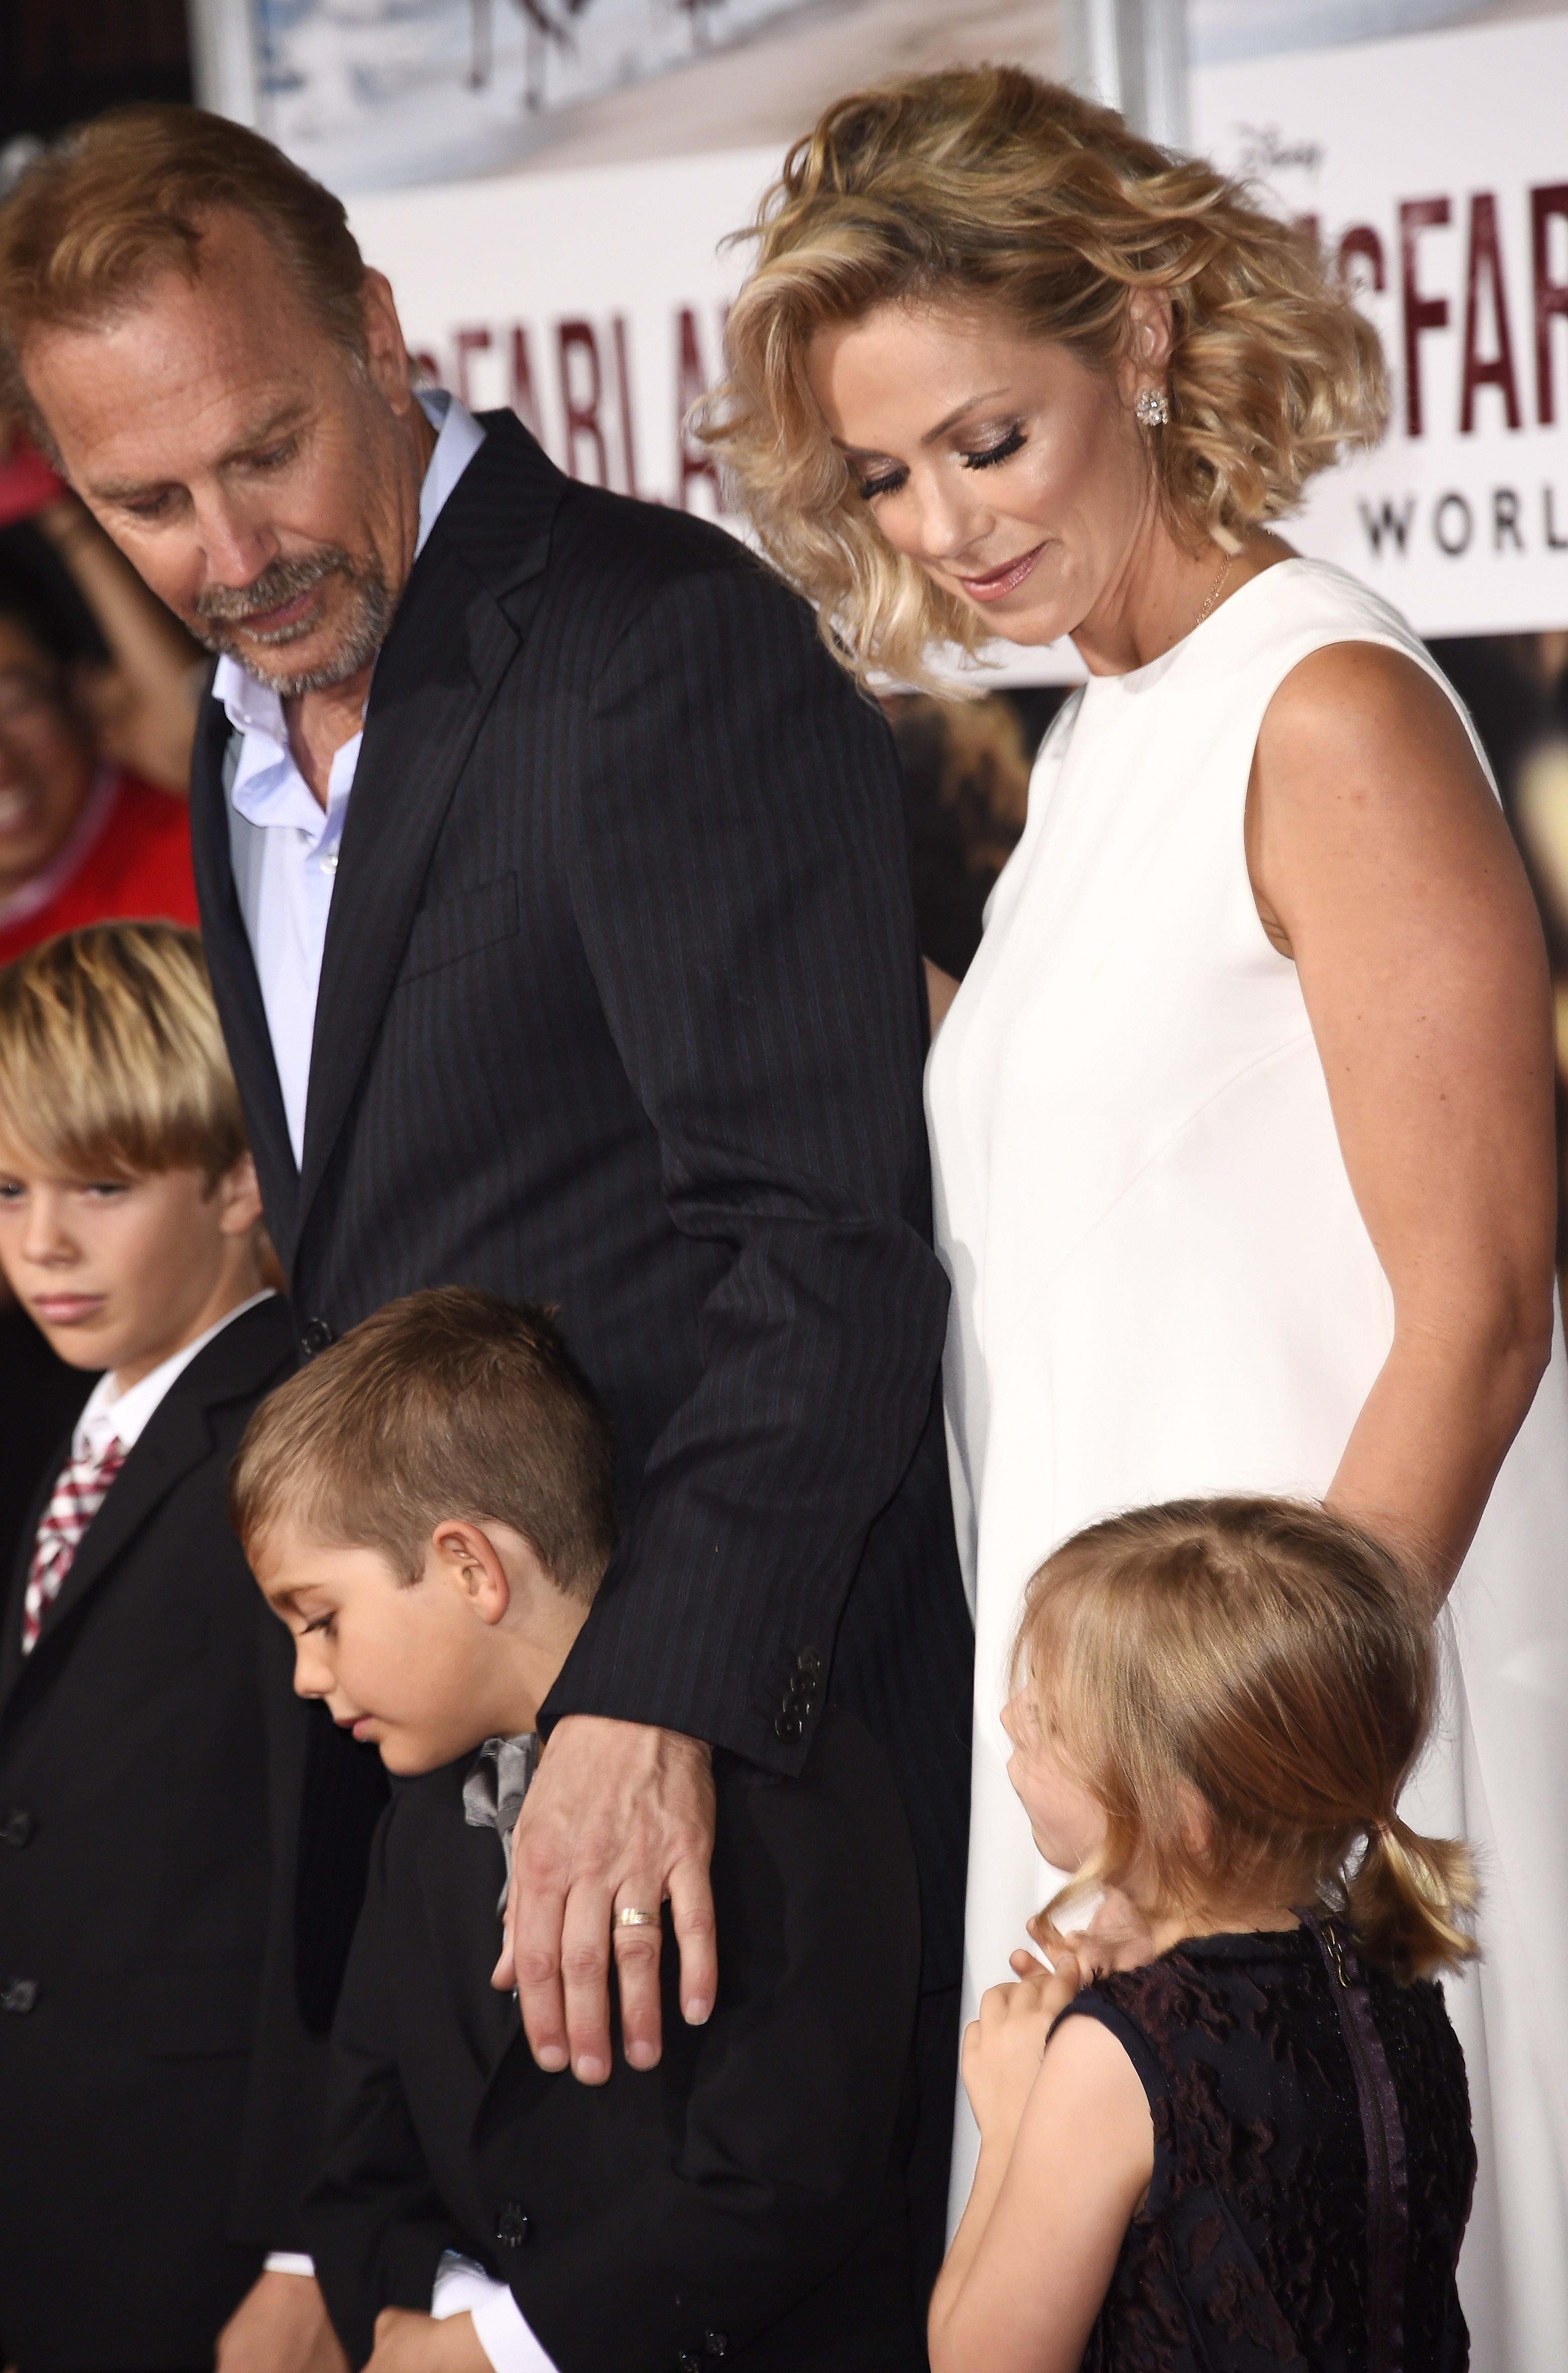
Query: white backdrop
{"type": "Point", "coordinates": [1438, 167]}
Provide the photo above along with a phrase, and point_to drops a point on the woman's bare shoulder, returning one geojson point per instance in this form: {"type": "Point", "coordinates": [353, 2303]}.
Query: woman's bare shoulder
{"type": "Point", "coordinates": [1355, 701]}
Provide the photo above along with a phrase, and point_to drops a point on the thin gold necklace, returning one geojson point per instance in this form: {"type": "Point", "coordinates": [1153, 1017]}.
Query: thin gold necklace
{"type": "Point", "coordinates": [1216, 589]}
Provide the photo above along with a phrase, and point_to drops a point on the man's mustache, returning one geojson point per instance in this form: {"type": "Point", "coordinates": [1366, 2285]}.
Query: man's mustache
{"type": "Point", "coordinates": [281, 580]}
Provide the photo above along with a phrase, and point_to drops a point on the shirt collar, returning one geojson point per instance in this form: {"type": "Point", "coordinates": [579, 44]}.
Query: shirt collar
{"type": "Point", "coordinates": [255, 707]}
{"type": "Point", "coordinates": [111, 1415]}
{"type": "Point", "coordinates": [457, 438]}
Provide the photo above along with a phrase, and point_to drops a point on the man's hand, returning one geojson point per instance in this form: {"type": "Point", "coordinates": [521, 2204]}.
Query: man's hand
{"type": "Point", "coordinates": [619, 1816]}
{"type": "Point", "coordinates": [407, 2342]}
{"type": "Point", "coordinates": [1003, 2047]}
{"type": "Point", "coordinates": [280, 2326]}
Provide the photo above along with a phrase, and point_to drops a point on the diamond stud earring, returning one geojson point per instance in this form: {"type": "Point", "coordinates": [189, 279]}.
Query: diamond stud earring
{"type": "Point", "coordinates": [1152, 407]}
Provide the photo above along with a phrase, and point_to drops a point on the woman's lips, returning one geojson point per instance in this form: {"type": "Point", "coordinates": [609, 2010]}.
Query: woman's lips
{"type": "Point", "coordinates": [998, 581]}
{"type": "Point", "coordinates": [66, 1309]}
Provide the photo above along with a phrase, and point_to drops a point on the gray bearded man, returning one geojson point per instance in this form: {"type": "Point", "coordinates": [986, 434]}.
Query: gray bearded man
{"type": "Point", "coordinates": [554, 892]}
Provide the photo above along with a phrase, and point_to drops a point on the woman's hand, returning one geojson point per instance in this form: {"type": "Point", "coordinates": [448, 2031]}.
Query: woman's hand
{"type": "Point", "coordinates": [1003, 2048]}
{"type": "Point", "coordinates": [409, 2343]}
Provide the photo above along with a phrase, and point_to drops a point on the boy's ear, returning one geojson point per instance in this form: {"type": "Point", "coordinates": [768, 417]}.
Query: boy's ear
{"type": "Point", "coordinates": [465, 1554]}
{"type": "Point", "coordinates": [239, 1197]}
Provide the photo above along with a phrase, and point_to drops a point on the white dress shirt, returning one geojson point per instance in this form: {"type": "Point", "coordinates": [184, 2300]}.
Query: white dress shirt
{"type": "Point", "coordinates": [282, 846]}
{"type": "Point", "coordinates": [123, 1417]}
{"type": "Point", "coordinates": [462, 2287]}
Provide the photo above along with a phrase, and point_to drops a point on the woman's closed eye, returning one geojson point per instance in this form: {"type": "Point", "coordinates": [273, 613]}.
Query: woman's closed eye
{"type": "Point", "coordinates": [983, 456]}
{"type": "Point", "coordinates": [987, 456]}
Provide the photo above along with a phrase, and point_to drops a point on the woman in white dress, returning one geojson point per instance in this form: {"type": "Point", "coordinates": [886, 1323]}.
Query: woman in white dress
{"type": "Point", "coordinates": [1241, 1121]}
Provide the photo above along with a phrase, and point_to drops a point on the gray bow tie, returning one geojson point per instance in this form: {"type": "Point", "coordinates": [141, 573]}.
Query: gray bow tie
{"type": "Point", "coordinates": [494, 1791]}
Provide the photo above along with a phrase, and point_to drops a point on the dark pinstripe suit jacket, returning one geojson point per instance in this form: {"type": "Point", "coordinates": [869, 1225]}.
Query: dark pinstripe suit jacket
{"type": "Point", "coordinates": [621, 1008]}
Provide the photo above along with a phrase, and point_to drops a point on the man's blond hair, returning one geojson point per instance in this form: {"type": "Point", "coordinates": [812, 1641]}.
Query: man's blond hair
{"type": "Point", "coordinates": [112, 1060]}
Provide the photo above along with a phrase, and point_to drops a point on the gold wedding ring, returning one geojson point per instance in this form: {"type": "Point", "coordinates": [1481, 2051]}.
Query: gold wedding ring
{"type": "Point", "coordinates": [628, 1919]}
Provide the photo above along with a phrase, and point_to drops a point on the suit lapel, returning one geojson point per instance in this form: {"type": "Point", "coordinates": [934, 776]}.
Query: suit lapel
{"type": "Point", "coordinates": [461, 1877]}
{"type": "Point", "coordinates": [177, 1439]}
{"type": "Point", "coordinates": [456, 633]}
{"type": "Point", "coordinates": [234, 983]}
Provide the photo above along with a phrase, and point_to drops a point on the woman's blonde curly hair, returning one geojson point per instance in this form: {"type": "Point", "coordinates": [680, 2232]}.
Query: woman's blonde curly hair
{"type": "Point", "coordinates": [993, 187]}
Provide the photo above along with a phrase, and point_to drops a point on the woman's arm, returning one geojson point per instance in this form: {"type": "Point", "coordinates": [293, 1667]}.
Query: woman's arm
{"type": "Point", "coordinates": [143, 704]}
{"type": "Point", "coordinates": [1382, 864]}
{"type": "Point", "coordinates": [1053, 2192]}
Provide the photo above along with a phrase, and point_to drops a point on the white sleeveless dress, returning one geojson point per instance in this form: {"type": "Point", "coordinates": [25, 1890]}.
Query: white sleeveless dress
{"type": "Point", "coordinates": [1162, 1286]}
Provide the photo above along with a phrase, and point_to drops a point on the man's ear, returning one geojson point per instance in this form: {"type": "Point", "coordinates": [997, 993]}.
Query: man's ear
{"type": "Point", "coordinates": [385, 357]}
{"type": "Point", "coordinates": [466, 1555]}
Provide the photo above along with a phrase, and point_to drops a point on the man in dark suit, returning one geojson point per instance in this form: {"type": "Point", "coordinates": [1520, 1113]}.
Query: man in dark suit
{"type": "Point", "coordinates": [554, 887]}
{"type": "Point", "coordinates": [141, 1703]}
{"type": "Point", "coordinates": [740, 2203]}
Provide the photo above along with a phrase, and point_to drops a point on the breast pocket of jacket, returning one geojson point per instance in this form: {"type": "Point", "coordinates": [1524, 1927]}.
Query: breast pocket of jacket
{"type": "Point", "coordinates": [455, 927]}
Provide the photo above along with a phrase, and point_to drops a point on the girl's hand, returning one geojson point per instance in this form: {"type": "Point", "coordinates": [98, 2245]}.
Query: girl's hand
{"type": "Point", "coordinates": [410, 2343]}
{"type": "Point", "coordinates": [1004, 2046]}
{"type": "Point", "coordinates": [1118, 1937]}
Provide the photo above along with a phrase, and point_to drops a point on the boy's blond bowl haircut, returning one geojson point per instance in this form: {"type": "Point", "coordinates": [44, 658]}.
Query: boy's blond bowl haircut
{"type": "Point", "coordinates": [112, 1060]}
{"type": "Point", "coordinates": [449, 1403]}
{"type": "Point", "coordinates": [1269, 1660]}
{"type": "Point", "coordinates": [991, 188]}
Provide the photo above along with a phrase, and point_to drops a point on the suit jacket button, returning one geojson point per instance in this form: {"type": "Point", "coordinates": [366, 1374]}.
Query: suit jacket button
{"type": "Point", "coordinates": [687, 2363]}
{"type": "Point", "coordinates": [314, 1336]}
{"type": "Point", "coordinates": [18, 1995]}
{"type": "Point", "coordinates": [808, 1661]}
{"type": "Point", "coordinates": [511, 2226]}
{"type": "Point", "coordinates": [17, 1827]}
{"type": "Point", "coordinates": [787, 1726]}
{"type": "Point", "coordinates": [715, 2343]}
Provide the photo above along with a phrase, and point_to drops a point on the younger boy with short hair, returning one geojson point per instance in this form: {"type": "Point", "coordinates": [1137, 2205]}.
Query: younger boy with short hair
{"type": "Point", "coordinates": [134, 1706]}
{"type": "Point", "coordinates": [429, 1508]}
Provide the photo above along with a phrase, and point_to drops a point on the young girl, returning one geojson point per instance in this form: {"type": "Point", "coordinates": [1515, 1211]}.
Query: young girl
{"type": "Point", "coordinates": [1248, 2146]}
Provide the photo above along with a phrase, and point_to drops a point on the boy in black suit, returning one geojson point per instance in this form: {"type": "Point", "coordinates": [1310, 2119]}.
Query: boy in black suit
{"type": "Point", "coordinates": [133, 1859]}
{"type": "Point", "coordinates": [429, 1507]}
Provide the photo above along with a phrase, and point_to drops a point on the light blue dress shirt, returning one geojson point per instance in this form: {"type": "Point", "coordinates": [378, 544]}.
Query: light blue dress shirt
{"type": "Point", "coordinates": [282, 846]}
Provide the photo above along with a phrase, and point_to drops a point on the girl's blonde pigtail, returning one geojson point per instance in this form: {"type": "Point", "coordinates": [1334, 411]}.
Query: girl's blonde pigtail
{"type": "Point", "coordinates": [1407, 1898]}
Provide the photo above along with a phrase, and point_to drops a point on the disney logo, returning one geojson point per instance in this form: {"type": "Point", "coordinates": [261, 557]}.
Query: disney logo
{"type": "Point", "coordinates": [1264, 152]}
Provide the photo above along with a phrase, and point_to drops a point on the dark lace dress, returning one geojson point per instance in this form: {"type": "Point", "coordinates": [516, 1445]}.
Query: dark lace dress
{"type": "Point", "coordinates": [1251, 2254]}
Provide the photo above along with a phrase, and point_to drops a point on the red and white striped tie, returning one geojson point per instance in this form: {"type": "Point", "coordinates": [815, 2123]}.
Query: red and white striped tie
{"type": "Point", "coordinates": [75, 1501]}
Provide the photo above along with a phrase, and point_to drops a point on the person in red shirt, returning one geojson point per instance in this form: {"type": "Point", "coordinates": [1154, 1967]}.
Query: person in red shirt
{"type": "Point", "coordinates": [81, 840]}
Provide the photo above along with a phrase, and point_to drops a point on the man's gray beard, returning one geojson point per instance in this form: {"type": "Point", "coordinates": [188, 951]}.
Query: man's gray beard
{"type": "Point", "coordinates": [362, 628]}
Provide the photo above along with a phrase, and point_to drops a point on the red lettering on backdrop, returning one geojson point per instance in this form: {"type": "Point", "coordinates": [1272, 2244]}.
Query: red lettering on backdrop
{"type": "Point", "coordinates": [1422, 313]}
{"type": "Point", "coordinates": [1486, 261]}
{"type": "Point", "coordinates": [428, 367]}
{"type": "Point", "coordinates": [467, 343]}
{"type": "Point", "coordinates": [582, 413]}
{"type": "Point", "coordinates": [623, 394]}
{"type": "Point", "coordinates": [691, 381]}
{"type": "Point", "coordinates": [1547, 204]}
{"type": "Point", "coordinates": [522, 403]}
{"type": "Point", "coordinates": [1363, 240]}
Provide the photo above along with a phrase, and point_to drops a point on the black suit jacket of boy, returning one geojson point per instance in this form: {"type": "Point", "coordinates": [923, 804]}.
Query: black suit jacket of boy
{"type": "Point", "coordinates": [737, 2204]}
{"type": "Point", "coordinates": [133, 1880]}
{"type": "Point", "coordinates": [621, 1008]}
